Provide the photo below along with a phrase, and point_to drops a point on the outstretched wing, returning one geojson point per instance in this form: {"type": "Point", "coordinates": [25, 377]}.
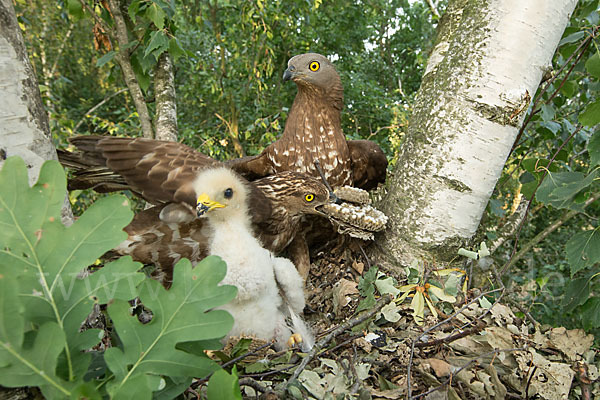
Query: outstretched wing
{"type": "Point", "coordinates": [159, 171]}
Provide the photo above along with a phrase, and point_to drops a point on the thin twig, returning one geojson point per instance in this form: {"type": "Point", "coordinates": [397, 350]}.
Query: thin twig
{"type": "Point", "coordinates": [524, 311]}
{"type": "Point", "coordinates": [97, 106]}
{"type": "Point", "coordinates": [451, 338]}
{"type": "Point", "coordinates": [347, 325]}
{"type": "Point", "coordinates": [364, 253]}
{"type": "Point", "coordinates": [320, 170]}
{"type": "Point", "coordinates": [250, 353]}
{"type": "Point", "coordinates": [263, 374]}
{"type": "Point", "coordinates": [534, 110]}
{"type": "Point", "coordinates": [412, 349]}
{"type": "Point", "coordinates": [546, 170]}
{"type": "Point", "coordinates": [529, 382]}
{"type": "Point", "coordinates": [345, 342]}
{"type": "Point", "coordinates": [584, 380]}
{"type": "Point", "coordinates": [356, 384]}
{"type": "Point", "coordinates": [61, 49]}
{"type": "Point", "coordinates": [253, 384]}
{"type": "Point", "coordinates": [230, 362]}
{"type": "Point", "coordinates": [433, 8]}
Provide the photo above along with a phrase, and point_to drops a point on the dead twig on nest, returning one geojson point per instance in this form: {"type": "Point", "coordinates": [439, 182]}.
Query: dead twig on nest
{"type": "Point", "coordinates": [253, 384]}
{"type": "Point", "coordinates": [347, 325]}
{"type": "Point", "coordinates": [414, 341]}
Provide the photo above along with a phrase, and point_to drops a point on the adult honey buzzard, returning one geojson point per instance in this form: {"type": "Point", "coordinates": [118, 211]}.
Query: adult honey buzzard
{"type": "Point", "coordinates": [313, 132]}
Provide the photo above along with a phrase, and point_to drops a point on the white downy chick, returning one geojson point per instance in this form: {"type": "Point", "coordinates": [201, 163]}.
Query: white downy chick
{"type": "Point", "coordinates": [258, 309]}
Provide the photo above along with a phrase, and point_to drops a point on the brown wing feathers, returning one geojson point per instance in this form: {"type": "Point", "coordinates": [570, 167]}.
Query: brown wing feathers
{"type": "Point", "coordinates": [161, 172]}
{"type": "Point", "coordinates": [158, 171]}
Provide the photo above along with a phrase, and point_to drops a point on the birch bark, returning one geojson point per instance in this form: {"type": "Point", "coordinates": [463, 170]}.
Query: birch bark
{"type": "Point", "coordinates": [24, 129]}
{"type": "Point", "coordinates": [166, 105]}
{"type": "Point", "coordinates": [487, 63]}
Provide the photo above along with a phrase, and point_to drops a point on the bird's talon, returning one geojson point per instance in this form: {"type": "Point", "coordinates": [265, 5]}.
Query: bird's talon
{"type": "Point", "coordinates": [294, 340]}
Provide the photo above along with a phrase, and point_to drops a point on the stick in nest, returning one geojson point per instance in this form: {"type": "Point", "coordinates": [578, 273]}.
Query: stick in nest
{"type": "Point", "coordinates": [346, 325]}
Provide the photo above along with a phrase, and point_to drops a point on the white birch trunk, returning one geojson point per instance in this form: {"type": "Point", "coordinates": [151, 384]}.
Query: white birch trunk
{"type": "Point", "coordinates": [487, 64]}
{"type": "Point", "coordinates": [24, 129]}
{"type": "Point", "coordinates": [166, 104]}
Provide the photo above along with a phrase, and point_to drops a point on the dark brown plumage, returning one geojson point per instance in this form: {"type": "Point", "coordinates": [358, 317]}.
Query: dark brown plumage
{"type": "Point", "coordinates": [162, 238]}
{"type": "Point", "coordinates": [313, 132]}
{"type": "Point", "coordinates": [162, 173]}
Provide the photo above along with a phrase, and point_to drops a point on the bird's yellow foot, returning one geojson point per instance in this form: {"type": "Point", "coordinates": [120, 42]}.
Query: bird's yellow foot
{"type": "Point", "coordinates": [294, 340]}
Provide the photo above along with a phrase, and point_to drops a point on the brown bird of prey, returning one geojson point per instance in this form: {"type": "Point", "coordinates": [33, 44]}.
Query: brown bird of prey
{"type": "Point", "coordinates": [270, 290]}
{"type": "Point", "coordinates": [313, 132]}
{"type": "Point", "coordinates": [161, 172]}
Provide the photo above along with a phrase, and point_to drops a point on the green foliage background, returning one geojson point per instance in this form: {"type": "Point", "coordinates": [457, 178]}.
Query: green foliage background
{"type": "Point", "coordinates": [229, 56]}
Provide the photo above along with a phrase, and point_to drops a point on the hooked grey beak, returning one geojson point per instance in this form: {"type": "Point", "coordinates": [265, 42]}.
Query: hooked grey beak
{"type": "Point", "coordinates": [288, 73]}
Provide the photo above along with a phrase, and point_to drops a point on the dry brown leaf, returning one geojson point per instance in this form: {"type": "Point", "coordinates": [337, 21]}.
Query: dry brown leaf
{"type": "Point", "coordinates": [440, 367]}
{"type": "Point", "coordinates": [388, 394]}
{"type": "Point", "coordinates": [468, 345]}
{"type": "Point", "coordinates": [358, 267]}
{"type": "Point", "coordinates": [499, 338]}
{"type": "Point", "coordinates": [551, 380]}
{"type": "Point", "coordinates": [364, 344]}
{"type": "Point", "coordinates": [572, 343]}
{"type": "Point", "coordinates": [341, 292]}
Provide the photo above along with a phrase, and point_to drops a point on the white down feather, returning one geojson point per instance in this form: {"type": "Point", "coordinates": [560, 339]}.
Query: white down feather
{"type": "Point", "coordinates": [258, 309]}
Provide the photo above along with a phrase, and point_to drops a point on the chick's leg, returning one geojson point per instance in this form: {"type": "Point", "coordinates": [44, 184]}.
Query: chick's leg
{"type": "Point", "coordinates": [290, 282]}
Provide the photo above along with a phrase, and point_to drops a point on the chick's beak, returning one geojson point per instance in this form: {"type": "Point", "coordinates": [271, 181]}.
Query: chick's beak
{"type": "Point", "coordinates": [204, 204]}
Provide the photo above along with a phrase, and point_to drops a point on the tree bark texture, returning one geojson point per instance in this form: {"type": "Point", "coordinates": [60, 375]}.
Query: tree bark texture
{"type": "Point", "coordinates": [24, 129]}
{"type": "Point", "coordinates": [485, 67]}
{"type": "Point", "coordinates": [166, 105]}
{"type": "Point", "coordinates": [124, 61]}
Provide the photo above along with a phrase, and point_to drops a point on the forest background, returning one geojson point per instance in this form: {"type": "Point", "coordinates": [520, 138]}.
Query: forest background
{"type": "Point", "coordinates": [228, 58]}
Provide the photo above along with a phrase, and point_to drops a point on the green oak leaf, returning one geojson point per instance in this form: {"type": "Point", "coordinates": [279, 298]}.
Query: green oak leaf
{"type": "Point", "coordinates": [40, 264]}
{"type": "Point", "coordinates": [181, 314]}
{"type": "Point", "coordinates": [223, 386]}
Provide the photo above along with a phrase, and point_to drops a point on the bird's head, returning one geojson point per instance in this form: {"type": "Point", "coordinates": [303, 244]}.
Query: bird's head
{"type": "Point", "coordinates": [221, 194]}
{"type": "Point", "coordinates": [312, 70]}
{"type": "Point", "coordinates": [301, 194]}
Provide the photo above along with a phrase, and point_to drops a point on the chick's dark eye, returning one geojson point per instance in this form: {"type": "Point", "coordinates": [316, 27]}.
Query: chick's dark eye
{"type": "Point", "coordinates": [228, 193]}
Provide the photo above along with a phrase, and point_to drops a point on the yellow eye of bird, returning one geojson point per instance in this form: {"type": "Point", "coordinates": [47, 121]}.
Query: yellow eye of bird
{"type": "Point", "coordinates": [309, 197]}
{"type": "Point", "coordinates": [314, 66]}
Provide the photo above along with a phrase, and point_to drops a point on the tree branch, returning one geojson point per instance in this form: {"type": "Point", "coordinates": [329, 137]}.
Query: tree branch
{"type": "Point", "coordinates": [549, 229]}
{"type": "Point", "coordinates": [166, 105]}
{"type": "Point", "coordinates": [123, 58]}
{"type": "Point", "coordinates": [433, 8]}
